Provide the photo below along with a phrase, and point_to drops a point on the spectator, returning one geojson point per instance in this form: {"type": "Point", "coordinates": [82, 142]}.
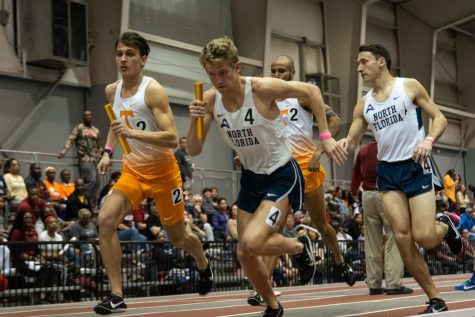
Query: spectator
{"type": "Point", "coordinates": [127, 232]}
{"type": "Point", "coordinates": [450, 181]}
{"type": "Point", "coordinates": [196, 206]}
{"type": "Point", "coordinates": [185, 164]}
{"type": "Point", "coordinates": [231, 226]}
{"type": "Point", "coordinates": [36, 206]}
{"type": "Point", "coordinates": [207, 205]}
{"type": "Point", "coordinates": [154, 226]}
{"type": "Point", "coordinates": [461, 198]}
{"type": "Point", "coordinates": [214, 196]}
{"type": "Point", "coordinates": [219, 220]}
{"type": "Point", "coordinates": [86, 138]}
{"type": "Point", "coordinates": [191, 227]}
{"type": "Point", "coordinates": [206, 227]}
{"type": "Point", "coordinates": [6, 196]}
{"type": "Point", "coordinates": [105, 190]}
{"type": "Point", "coordinates": [467, 222]}
{"type": "Point", "coordinates": [66, 187]}
{"type": "Point", "coordinates": [15, 182]}
{"type": "Point", "coordinates": [140, 214]}
{"type": "Point", "coordinates": [468, 254]}
{"type": "Point", "coordinates": [4, 263]}
{"type": "Point", "coordinates": [84, 229]}
{"type": "Point", "coordinates": [289, 229]}
{"type": "Point", "coordinates": [50, 251]}
{"type": "Point", "coordinates": [355, 225]}
{"type": "Point", "coordinates": [52, 187]}
{"type": "Point", "coordinates": [77, 200]}
{"type": "Point", "coordinates": [34, 181]}
{"type": "Point", "coordinates": [3, 214]}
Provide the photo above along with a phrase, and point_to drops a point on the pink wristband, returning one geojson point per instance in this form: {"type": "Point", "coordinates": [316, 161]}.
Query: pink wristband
{"type": "Point", "coordinates": [324, 136]}
{"type": "Point", "coordinates": [430, 139]}
{"type": "Point", "coordinates": [108, 147]}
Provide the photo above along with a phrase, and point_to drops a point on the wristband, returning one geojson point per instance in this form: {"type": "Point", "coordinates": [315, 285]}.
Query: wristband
{"type": "Point", "coordinates": [108, 147]}
{"type": "Point", "coordinates": [430, 139]}
{"type": "Point", "coordinates": [325, 136]}
{"type": "Point", "coordinates": [108, 150]}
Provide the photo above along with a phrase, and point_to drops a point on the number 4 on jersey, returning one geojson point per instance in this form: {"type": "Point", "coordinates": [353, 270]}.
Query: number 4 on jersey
{"type": "Point", "coordinates": [248, 117]}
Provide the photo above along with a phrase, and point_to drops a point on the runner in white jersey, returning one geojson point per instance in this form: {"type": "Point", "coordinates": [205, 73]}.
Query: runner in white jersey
{"type": "Point", "coordinates": [145, 119]}
{"type": "Point", "coordinates": [392, 109]}
{"type": "Point", "coordinates": [298, 119]}
{"type": "Point", "coordinates": [249, 120]}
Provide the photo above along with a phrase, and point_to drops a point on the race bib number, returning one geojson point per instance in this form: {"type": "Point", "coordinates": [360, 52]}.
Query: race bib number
{"type": "Point", "coordinates": [273, 217]}
{"type": "Point", "coordinates": [426, 167]}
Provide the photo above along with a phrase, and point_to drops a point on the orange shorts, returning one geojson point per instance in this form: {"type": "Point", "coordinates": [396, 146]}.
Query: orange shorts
{"type": "Point", "coordinates": [165, 189]}
{"type": "Point", "coordinates": [313, 180]}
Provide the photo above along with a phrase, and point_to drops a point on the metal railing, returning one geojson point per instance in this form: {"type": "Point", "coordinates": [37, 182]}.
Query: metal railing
{"type": "Point", "coordinates": [154, 268]}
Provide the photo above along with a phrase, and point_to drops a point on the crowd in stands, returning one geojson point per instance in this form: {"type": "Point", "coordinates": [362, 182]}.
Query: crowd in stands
{"type": "Point", "coordinates": [43, 207]}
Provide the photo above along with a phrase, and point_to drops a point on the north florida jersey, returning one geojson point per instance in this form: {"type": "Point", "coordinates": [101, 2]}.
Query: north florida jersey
{"type": "Point", "coordinates": [299, 123]}
{"type": "Point", "coordinates": [262, 144]}
{"type": "Point", "coordinates": [396, 124]}
{"type": "Point", "coordinates": [145, 159]}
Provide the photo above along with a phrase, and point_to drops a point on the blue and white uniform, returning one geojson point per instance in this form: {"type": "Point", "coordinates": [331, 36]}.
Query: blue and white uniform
{"type": "Point", "coordinates": [398, 128]}
{"type": "Point", "coordinates": [268, 173]}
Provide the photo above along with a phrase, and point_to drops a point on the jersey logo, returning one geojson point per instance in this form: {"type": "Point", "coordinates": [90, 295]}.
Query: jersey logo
{"type": "Point", "coordinates": [126, 114]}
{"type": "Point", "coordinates": [370, 107]}
{"type": "Point", "coordinates": [225, 124]}
{"type": "Point", "coordinates": [220, 115]}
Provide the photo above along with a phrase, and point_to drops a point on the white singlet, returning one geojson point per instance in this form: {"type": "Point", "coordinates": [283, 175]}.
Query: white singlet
{"type": "Point", "coordinates": [396, 124]}
{"type": "Point", "coordinates": [262, 145]}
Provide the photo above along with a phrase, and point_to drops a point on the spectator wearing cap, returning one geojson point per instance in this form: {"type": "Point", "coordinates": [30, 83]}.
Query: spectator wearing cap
{"type": "Point", "coordinates": [50, 251]}
{"type": "Point", "coordinates": [467, 222]}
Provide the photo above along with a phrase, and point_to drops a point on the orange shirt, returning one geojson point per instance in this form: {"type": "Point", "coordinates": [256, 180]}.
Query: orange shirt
{"type": "Point", "coordinates": [53, 189]}
{"type": "Point", "coordinates": [66, 190]}
{"type": "Point", "coordinates": [449, 187]}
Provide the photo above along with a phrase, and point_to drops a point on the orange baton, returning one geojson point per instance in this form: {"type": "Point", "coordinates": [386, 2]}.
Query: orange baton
{"type": "Point", "coordinates": [199, 96]}
{"type": "Point", "coordinates": [122, 140]}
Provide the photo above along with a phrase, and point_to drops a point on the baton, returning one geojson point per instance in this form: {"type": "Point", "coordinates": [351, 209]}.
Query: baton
{"type": "Point", "coordinates": [122, 140]}
{"type": "Point", "coordinates": [199, 122]}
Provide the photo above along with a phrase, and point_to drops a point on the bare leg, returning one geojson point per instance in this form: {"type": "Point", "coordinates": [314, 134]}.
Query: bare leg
{"type": "Point", "coordinates": [315, 203]}
{"type": "Point", "coordinates": [111, 214]}
{"type": "Point", "coordinates": [403, 224]}
{"type": "Point", "coordinates": [187, 241]}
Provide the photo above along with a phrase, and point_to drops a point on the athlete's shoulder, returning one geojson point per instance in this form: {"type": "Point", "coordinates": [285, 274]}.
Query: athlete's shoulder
{"type": "Point", "coordinates": [110, 90]}
{"type": "Point", "coordinates": [154, 87]}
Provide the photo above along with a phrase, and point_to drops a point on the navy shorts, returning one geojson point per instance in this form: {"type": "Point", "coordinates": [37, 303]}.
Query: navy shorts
{"type": "Point", "coordinates": [407, 176]}
{"type": "Point", "coordinates": [285, 181]}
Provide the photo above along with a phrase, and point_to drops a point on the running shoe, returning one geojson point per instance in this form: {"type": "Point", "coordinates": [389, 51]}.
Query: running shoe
{"type": "Point", "coordinates": [436, 305]}
{"type": "Point", "coordinates": [468, 285]}
{"type": "Point", "coordinates": [452, 237]}
{"type": "Point", "coordinates": [271, 312]}
{"type": "Point", "coordinates": [346, 273]}
{"type": "Point", "coordinates": [205, 281]}
{"type": "Point", "coordinates": [111, 304]}
{"type": "Point", "coordinates": [255, 299]}
{"type": "Point", "coordinates": [305, 261]}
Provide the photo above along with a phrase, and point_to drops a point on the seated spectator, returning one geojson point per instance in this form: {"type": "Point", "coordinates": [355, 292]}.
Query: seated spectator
{"type": "Point", "coordinates": [25, 257]}
{"type": "Point", "coordinates": [355, 225]}
{"type": "Point", "coordinates": [4, 263]}
{"type": "Point", "coordinates": [66, 187]}
{"type": "Point", "coordinates": [231, 226]}
{"type": "Point", "coordinates": [214, 197]}
{"type": "Point", "coordinates": [289, 229]}
{"type": "Point", "coordinates": [51, 251]}
{"type": "Point", "coordinates": [468, 254]}
{"type": "Point", "coordinates": [6, 197]}
{"type": "Point", "coordinates": [467, 222]}
{"type": "Point", "coordinates": [105, 190]}
{"type": "Point", "coordinates": [15, 183]}
{"type": "Point", "coordinates": [84, 229]}
{"type": "Point", "coordinates": [195, 209]}
{"type": "Point", "coordinates": [298, 218]}
{"type": "Point", "coordinates": [140, 214]}
{"type": "Point", "coordinates": [52, 187]}
{"type": "Point", "coordinates": [192, 228]}
{"type": "Point", "coordinates": [3, 215]}
{"type": "Point", "coordinates": [207, 204]}
{"type": "Point", "coordinates": [461, 197]}
{"type": "Point", "coordinates": [446, 258]}
{"type": "Point", "coordinates": [154, 226]}
{"type": "Point", "coordinates": [127, 232]}
{"type": "Point", "coordinates": [36, 206]}
{"type": "Point", "coordinates": [54, 192]}
{"type": "Point", "coordinates": [219, 220]}
{"type": "Point", "coordinates": [33, 180]}
{"type": "Point", "coordinates": [204, 225]}
{"type": "Point", "coordinates": [77, 200]}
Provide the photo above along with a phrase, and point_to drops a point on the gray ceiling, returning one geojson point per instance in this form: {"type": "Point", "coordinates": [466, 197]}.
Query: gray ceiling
{"type": "Point", "coordinates": [441, 13]}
